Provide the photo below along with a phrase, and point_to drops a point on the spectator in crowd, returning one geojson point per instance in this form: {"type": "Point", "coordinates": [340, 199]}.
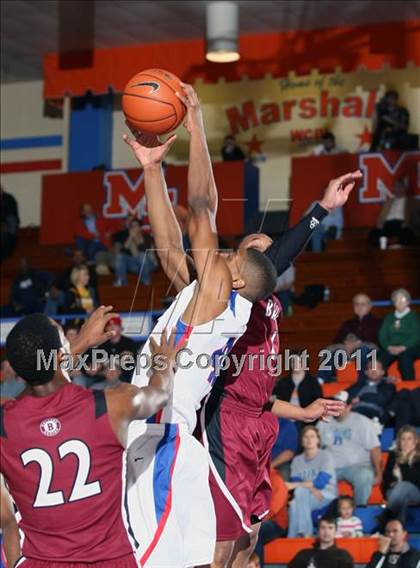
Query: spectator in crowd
{"type": "Point", "coordinates": [401, 479]}
{"type": "Point", "coordinates": [325, 553]}
{"type": "Point", "coordinates": [327, 146]}
{"type": "Point", "coordinates": [285, 447]}
{"type": "Point", "coordinates": [284, 289]}
{"type": "Point", "coordinates": [394, 550]}
{"type": "Point", "coordinates": [274, 525]}
{"type": "Point", "coordinates": [390, 124]}
{"type": "Point", "coordinates": [398, 217]}
{"type": "Point", "coordinates": [28, 290]}
{"type": "Point", "coordinates": [136, 256]}
{"type": "Point", "coordinates": [9, 223]}
{"type": "Point", "coordinates": [122, 346]}
{"type": "Point", "coordinates": [355, 448]}
{"type": "Point", "coordinates": [313, 481]}
{"type": "Point", "coordinates": [112, 377]}
{"type": "Point", "coordinates": [373, 392]}
{"type": "Point", "coordinates": [348, 525]}
{"type": "Point", "coordinates": [91, 233]}
{"type": "Point", "coordinates": [336, 355]}
{"type": "Point", "coordinates": [405, 408]}
{"type": "Point", "coordinates": [10, 384]}
{"type": "Point", "coordinates": [364, 324]}
{"type": "Point", "coordinates": [399, 336]}
{"type": "Point", "coordinates": [299, 388]}
{"type": "Point", "coordinates": [231, 152]}
{"type": "Point", "coordinates": [81, 297]}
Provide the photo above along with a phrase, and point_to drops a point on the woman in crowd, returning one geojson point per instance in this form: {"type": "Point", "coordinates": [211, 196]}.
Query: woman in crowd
{"type": "Point", "coordinates": [81, 297]}
{"type": "Point", "coordinates": [313, 481]}
{"type": "Point", "coordinates": [401, 478]}
{"type": "Point", "coordinates": [399, 336]}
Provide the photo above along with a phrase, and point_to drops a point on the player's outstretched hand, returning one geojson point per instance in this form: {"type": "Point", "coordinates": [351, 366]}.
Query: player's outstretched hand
{"type": "Point", "coordinates": [93, 330]}
{"type": "Point", "coordinates": [339, 189]}
{"type": "Point", "coordinates": [164, 354]}
{"type": "Point", "coordinates": [147, 148]}
{"type": "Point", "coordinates": [194, 116]}
{"type": "Point", "coordinates": [322, 409]}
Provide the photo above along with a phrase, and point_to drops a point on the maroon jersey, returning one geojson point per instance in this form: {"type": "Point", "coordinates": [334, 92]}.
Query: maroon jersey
{"type": "Point", "coordinates": [254, 384]}
{"type": "Point", "coordinates": [63, 465]}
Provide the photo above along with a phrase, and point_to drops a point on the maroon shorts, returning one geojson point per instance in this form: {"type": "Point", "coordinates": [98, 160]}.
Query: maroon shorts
{"type": "Point", "coordinates": [127, 561]}
{"type": "Point", "coordinates": [239, 440]}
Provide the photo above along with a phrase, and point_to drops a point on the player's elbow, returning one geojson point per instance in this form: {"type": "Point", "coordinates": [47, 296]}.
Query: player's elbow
{"type": "Point", "coordinates": [199, 204]}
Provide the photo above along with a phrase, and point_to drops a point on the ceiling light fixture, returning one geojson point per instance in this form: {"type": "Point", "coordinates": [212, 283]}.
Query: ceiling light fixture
{"type": "Point", "coordinates": [222, 32]}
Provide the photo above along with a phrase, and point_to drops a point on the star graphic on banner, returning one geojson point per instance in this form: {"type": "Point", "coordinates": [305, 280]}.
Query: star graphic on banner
{"type": "Point", "coordinates": [365, 137]}
{"type": "Point", "coordinates": [254, 145]}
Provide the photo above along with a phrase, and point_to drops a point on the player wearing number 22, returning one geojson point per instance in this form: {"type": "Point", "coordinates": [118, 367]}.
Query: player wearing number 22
{"type": "Point", "coordinates": [62, 454]}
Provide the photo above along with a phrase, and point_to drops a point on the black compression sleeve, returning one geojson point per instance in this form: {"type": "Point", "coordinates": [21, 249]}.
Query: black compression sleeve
{"type": "Point", "coordinates": [286, 248]}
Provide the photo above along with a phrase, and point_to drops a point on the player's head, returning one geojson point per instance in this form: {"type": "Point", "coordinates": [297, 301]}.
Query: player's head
{"type": "Point", "coordinates": [253, 274]}
{"type": "Point", "coordinates": [31, 346]}
{"type": "Point", "coordinates": [257, 241]}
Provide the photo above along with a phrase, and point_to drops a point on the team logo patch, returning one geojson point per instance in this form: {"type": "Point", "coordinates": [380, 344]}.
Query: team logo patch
{"type": "Point", "coordinates": [50, 427]}
{"type": "Point", "coordinates": [313, 223]}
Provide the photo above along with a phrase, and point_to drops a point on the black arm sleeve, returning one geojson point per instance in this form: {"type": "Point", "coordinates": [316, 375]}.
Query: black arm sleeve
{"type": "Point", "coordinates": [286, 248]}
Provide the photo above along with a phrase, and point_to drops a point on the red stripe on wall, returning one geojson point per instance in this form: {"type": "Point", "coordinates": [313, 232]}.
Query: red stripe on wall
{"type": "Point", "coordinates": [36, 166]}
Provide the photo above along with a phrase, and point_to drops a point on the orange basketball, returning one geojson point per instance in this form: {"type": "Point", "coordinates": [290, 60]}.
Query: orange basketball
{"type": "Point", "coordinates": [150, 104]}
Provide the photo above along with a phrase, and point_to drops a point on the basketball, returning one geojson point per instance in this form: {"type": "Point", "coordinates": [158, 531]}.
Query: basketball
{"type": "Point", "coordinates": [150, 104]}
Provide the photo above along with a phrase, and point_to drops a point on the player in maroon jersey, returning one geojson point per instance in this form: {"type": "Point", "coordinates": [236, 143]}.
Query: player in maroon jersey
{"type": "Point", "coordinates": [62, 452]}
{"type": "Point", "coordinates": [237, 431]}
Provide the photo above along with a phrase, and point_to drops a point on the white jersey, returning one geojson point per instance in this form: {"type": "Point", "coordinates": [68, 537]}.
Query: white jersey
{"type": "Point", "coordinates": [195, 374]}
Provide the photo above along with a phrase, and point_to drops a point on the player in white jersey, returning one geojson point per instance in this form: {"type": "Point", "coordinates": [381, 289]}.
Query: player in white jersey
{"type": "Point", "coordinates": [170, 506]}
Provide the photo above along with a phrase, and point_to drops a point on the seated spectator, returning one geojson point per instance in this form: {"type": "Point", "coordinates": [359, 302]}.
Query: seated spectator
{"type": "Point", "coordinates": [398, 217]}
{"type": "Point", "coordinates": [355, 448]}
{"type": "Point", "coordinates": [405, 408]}
{"type": "Point", "coordinates": [285, 447]}
{"type": "Point", "coordinates": [231, 152]}
{"type": "Point", "coordinates": [9, 223]}
{"type": "Point", "coordinates": [299, 388]}
{"type": "Point", "coordinates": [401, 479]}
{"type": "Point", "coordinates": [352, 348]}
{"type": "Point", "coordinates": [10, 384]}
{"type": "Point", "coordinates": [394, 550]}
{"type": "Point", "coordinates": [399, 336]}
{"type": "Point", "coordinates": [120, 345]}
{"type": "Point", "coordinates": [91, 233]}
{"type": "Point", "coordinates": [136, 256]}
{"type": "Point", "coordinates": [390, 124]}
{"type": "Point", "coordinates": [112, 376]}
{"type": "Point", "coordinates": [372, 394]}
{"type": "Point", "coordinates": [313, 482]}
{"type": "Point", "coordinates": [327, 146]}
{"type": "Point", "coordinates": [275, 524]}
{"type": "Point", "coordinates": [364, 325]}
{"type": "Point", "coordinates": [28, 290]}
{"type": "Point", "coordinates": [348, 525]}
{"type": "Point", "coordinates": [81, 297]}
{"type": "Point", "coordinates": [325, 553]}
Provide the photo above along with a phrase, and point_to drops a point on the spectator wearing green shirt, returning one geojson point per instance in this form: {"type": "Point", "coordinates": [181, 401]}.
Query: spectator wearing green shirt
{"type": "Point", "coordinates": [399, 336]}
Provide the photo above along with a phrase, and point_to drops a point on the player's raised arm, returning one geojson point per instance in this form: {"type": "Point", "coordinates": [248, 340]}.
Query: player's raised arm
{"type": "Point", "coordinates": [128, 402]}
{"type": "Point", "coordinates": [150, 152]}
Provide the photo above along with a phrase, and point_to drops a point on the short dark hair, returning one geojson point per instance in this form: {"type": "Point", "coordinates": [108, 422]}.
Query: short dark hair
{"type": "Point", "coordinates": [32, 335]}
{"type": "Point", "coordinates": [260, 275]}
{"type": "Point", "coordinates": [330, 519]}
{"type": "Point", "coordinates": [328, 136]}
{"type": "Point", "coordinates": [395, 519]}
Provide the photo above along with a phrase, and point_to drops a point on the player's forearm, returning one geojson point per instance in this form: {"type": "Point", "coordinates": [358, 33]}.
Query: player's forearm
{"type": "Point", "coordinates": [11, 542]}
{"type": "Point", "coordinates": [165, 227]}
{"type": "Point", "coordinates": [284, 409]}
{"type": "Point", "coordinates": [200, 171]}
{"type": "Point", "coordinates": [286, 248]}
{"type": "Point", "coordinates": [156, 395]}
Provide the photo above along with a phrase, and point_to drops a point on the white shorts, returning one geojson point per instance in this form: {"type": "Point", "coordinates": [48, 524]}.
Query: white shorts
{"type": "Point", "coordinates": [170, 507]}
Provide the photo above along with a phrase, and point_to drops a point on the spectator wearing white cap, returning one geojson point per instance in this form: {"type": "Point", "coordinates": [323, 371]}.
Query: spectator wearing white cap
{"type": "Point", "coordinates": [356, 450]}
